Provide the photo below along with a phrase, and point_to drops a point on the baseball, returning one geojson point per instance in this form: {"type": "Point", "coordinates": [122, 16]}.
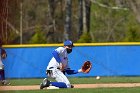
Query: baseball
{"type": "Point", "coordinates": [98, 77]}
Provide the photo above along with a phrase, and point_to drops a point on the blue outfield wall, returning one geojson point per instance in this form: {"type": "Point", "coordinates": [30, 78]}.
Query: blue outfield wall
{"type": "Point", "coordinates": [115, 60]}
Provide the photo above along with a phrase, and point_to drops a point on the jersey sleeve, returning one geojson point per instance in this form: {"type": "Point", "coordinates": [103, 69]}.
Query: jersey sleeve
{"type": "Point", "coordinates": [57, 53]}
{"type": "Point", "coordinates": [60, 50]}
{"type": "Point", "coordinates": [69, 71]}
{"type": "Point", "coordinates": [56, 56]}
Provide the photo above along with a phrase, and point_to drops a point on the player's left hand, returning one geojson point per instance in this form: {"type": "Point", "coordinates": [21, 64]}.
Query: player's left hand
{"type": "Point", "coordinates": [86, 67]}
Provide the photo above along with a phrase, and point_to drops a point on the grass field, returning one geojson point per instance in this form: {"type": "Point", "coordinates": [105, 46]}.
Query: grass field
{"type": "Point", "coordinates": [97, 90]}
{"type": "Point", "coordinates": [85, 80]}
{"type": "Point", "coordinates": [80, 80]}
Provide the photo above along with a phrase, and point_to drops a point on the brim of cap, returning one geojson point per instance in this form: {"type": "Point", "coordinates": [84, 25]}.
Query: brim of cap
{"type": "Point", "coordinates": [70, 45]}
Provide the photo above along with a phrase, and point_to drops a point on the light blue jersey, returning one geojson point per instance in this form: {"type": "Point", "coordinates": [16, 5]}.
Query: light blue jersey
{"type": "Point", "coordinates": [63, 57]}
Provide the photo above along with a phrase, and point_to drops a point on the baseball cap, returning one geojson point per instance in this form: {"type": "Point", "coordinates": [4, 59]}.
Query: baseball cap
{"type": "Point", "coordinates": [68, 43]}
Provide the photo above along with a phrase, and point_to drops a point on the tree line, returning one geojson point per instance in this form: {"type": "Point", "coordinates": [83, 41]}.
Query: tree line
{"type": "Point", "coordinates": [53, 21]}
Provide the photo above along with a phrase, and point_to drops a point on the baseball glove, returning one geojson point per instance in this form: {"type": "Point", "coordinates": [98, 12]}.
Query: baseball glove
{"type": "Point", "coordinates": [3, 54]}
{"type": "Point", "coordinates": [86, 67]}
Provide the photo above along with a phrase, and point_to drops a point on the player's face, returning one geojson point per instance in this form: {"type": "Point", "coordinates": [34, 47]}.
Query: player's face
{"type": "Point", "coordinates": [69, 49]}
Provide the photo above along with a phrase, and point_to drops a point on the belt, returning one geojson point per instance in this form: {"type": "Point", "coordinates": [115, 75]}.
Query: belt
{"type": "Point", "coordinates": [53, 67]}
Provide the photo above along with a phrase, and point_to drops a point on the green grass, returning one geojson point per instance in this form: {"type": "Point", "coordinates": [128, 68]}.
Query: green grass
{"type": "Point", "coordinates": [92, 80]}
{"type": "Point", "coordinates": [97, 90]}
{"type": "Point", "coordinates": [80, 80]}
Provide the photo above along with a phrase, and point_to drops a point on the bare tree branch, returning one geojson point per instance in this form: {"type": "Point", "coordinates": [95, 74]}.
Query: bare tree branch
{"type": "Point", "coordinates": [105, 6]}
{"type": "Point", "coordinates": [11, 26]}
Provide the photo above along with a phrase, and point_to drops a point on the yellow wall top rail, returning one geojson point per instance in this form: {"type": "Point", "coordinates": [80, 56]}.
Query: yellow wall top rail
{"type": "Point", "coordinates": [75, 44]}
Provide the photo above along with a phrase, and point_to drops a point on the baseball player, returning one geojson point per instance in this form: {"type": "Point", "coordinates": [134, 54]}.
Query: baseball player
{"type": "Point", "coordinates": [2, 74]}
{"type": "Point", "coordinates": [58, 66]}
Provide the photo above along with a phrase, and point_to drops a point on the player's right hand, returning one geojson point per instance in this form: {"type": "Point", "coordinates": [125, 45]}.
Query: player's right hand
{"type": "Point", "coordinates": [61, 66]}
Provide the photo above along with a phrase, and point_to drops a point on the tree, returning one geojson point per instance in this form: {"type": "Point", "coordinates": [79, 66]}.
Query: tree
{"type": "Point", "coordinates": [80, 18]}
{"type": "Point", "coordinates": [38, 37]}
{"type": "Point", "coordinates": [134, 5]}
{"type": "Point", "coordinates": [51, 20]}
{"type": "Point", "coordinates": [85, 38]}
{"type": "Point", "coordinates": [67, 30]}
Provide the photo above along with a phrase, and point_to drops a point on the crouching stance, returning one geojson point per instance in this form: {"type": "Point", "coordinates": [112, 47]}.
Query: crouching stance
{"type": "Point", "coordinates": [59, 66]}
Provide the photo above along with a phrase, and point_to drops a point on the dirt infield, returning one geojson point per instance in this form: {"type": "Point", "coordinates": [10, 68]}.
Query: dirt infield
{"type": "Point", "coordinates": [36, 87]}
